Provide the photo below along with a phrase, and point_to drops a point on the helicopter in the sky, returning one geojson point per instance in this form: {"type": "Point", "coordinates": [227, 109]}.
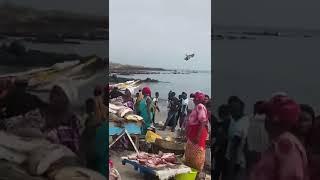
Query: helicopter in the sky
{"type": "Point", "coordinates": [189, 56]}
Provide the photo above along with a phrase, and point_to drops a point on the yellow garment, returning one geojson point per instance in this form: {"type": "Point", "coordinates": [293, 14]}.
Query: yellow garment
{"type": "Point", "coordinates": [100, 109]}
{"type": "Point", "coordinates": [151, 137]}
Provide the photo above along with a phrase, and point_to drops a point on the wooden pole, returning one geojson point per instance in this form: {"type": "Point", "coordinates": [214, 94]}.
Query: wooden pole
{"type": "Point", "coordinates": [134, 146]}
{"type": "Point", "coordinates": [121, 134]}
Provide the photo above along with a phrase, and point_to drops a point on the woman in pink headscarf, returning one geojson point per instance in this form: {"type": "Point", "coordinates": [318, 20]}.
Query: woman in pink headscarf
{"type": "Point", "coordinates": [286, 158]}
{"type": "Point", "coordinates": [145, 110]}
{"type": "Point", "coordinates": [197, 132]}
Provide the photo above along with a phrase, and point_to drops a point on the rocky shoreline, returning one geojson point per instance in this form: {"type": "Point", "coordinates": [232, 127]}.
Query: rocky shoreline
{"type": "Point", "coordinates": [15, 54]}
{"type": "Point", "coordinates": [115, 79]}
{"type": "Point", "coordinates": [116, 69]}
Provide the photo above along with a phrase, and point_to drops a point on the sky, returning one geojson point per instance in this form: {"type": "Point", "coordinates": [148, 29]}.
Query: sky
{"type": "Point", "coordinates": [158, 33]}
{"type": "Point", "coordinates": [272, 13]}
{"type": "Point", "coordinates": [94, 7]}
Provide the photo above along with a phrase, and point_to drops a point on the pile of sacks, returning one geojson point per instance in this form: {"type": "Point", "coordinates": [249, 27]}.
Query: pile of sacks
{"type": "Point", "coordinates": [37, 159]}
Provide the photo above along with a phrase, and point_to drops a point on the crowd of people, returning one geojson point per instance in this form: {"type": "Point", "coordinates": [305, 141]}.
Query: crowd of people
{"type": "Point", "coordinates": [195, 121]}
{"type": "Point", "coordinates": [279, 141]}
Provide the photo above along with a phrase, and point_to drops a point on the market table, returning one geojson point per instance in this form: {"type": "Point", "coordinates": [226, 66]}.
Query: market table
{"type": "Point", "coordinates": [161, 174]}
{"type": "Point", "coordinates": [133, 128]}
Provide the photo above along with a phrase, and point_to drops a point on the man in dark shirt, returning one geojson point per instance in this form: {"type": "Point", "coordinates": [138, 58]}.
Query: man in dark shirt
{"type": "Point", "coordinates": [221, 128]}
{"type": "Point", "coordinates": [173, 112]}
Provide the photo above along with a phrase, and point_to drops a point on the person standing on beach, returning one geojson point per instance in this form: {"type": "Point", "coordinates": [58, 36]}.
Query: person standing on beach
{"type": "Point", "coordinates": [286, 157]}
{"type": "Point", "coordinates": [145, 110]}
{"type": "Point", "coordinates": [155, 102]}
{"type": "Point", "coordinates": [93, 141]}
{"type": "Point", "coordinates": [169, 99]}
{"type": "Point", "coordinates": [173, 111]}
{"type": "Point", "coordinates": [221, 127]}
{"type": "Point", "coordinates": [208, 104]}
{"type": "Point", "coordinates": [237, 136]}
{"type": "Point", "coordinates": [257, 140]}
{"type": "Point", "coordinates": [180, 107]}
{"type": "Point", "coordinates": [184, 109]}
{"type": "Point", "coordinates": [100, 108]}
{"type": "Point", "coordinates": [136, 103]}
{"type": "Point", "coordinates": [197, 133]}
{"type": "Point", "coordinates": [308, 133]}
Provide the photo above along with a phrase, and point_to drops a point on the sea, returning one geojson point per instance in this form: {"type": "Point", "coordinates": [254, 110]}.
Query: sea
{"type": "Point", "coordinates": [86, 48]}
{"type": "Point", "coordinates": [252, 69]}
{"type": "Point", "coordinates": [255, 69]}
{"type": "Point", "coordinates": [178, 83]}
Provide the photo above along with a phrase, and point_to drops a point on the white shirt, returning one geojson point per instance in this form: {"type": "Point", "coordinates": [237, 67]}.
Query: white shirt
{"type": "Point", "coordinates": [155, 100]}
{"type": "Point", "coordinates": [238, 128]}
{"type": "Point", "coordinates": [190, 105]}
{"type": "Point", "coordinates": [185, 102]}
{"type": "Point", "coordinates": [257, 139]}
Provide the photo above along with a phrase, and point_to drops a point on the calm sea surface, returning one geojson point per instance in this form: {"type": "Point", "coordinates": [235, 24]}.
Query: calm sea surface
{"type": "Point", "coordinates": [178, 83]}
{"type": "Point", "coordinates": [254, 69]}
{"type": "Point", "coordinates": [86, 48]}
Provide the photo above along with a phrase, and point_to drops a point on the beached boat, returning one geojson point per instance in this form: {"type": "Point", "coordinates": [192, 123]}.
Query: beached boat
{"type": "Point", "coordinates": [68, 70]}
{"type": "Point", "coordinates": [129, 84]}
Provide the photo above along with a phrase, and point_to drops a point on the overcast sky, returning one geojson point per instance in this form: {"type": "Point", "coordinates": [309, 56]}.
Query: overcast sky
{"type": "Point", "coordinates": [158, 33]}
{"type": "Point", "coordinates": [271, 13]}
{"type": "Point", "coordinates": [95, 7]}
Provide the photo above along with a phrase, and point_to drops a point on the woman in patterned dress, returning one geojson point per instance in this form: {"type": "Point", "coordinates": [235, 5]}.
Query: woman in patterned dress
{"type": "Point", "coordinates": [197, 133]}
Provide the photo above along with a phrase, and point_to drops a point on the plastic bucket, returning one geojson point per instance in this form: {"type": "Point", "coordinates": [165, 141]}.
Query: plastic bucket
{"type": "Point", "coordinates": [187, 176]}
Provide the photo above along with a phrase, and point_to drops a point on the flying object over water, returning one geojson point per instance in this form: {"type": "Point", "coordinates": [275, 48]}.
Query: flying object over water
{"type": "Point", "coordinates": [189, 56]}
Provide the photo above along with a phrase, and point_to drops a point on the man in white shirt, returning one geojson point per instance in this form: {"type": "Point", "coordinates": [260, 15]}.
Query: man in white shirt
{"type": "Point", "coordinates": [155, 102]}
{"type": "Point", "coordinates": [184, 109]}
{"type": "Point", "coordinates": [257, 140]}
{"type": "Point", "coordinates": [237, 135]}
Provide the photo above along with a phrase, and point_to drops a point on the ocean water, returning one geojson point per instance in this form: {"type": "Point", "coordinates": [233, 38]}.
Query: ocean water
{"type": "Point", "coordinates": [254, 69]}
{"type": "Point", "coordinates": [86, 48]}
{"type": "Point", "coordinates": [178, 83]}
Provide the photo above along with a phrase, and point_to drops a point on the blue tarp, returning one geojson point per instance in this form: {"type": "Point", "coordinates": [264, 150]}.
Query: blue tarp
{"type": "Point", "coordinates": [131, 127]}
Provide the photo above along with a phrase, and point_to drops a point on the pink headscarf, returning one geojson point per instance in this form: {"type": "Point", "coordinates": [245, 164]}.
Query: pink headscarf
{"type": "Point", "coordinates": [147, 91]}
{"type": "Point", "coordinates": [199, 96]}
{"type": "Point", "coordinates": [282, 109]}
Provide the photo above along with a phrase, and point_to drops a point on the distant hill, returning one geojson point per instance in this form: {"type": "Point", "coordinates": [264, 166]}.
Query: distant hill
{"type": "Point", "coordinates": [122, 67]}
{"type": "Point", "coordinates": [19, 19]}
